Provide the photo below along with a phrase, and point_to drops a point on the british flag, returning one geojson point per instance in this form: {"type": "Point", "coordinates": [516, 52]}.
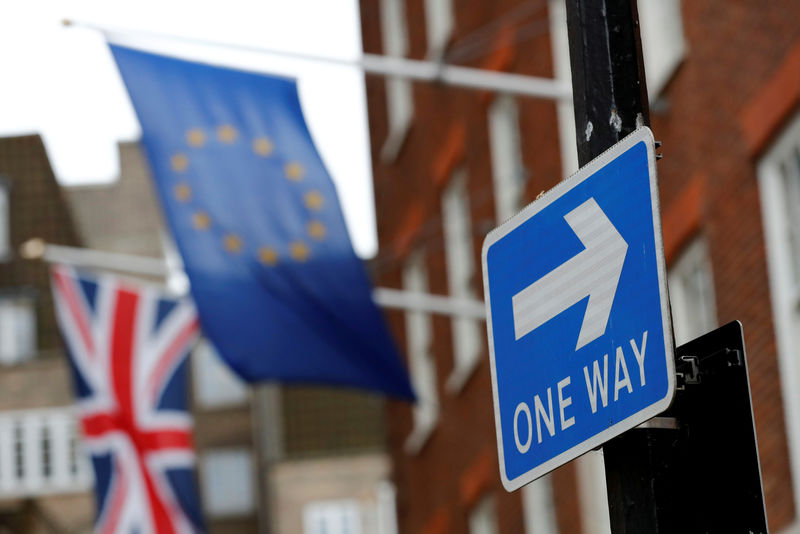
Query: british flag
{"type": "Point", "coordinates": [127, 346]}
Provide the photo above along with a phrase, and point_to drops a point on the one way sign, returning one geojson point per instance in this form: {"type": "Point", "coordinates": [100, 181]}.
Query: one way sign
{"type": "Point", "coordinates": [578, 319]}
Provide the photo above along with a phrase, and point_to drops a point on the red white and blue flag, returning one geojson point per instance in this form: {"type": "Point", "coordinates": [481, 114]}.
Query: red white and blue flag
{"type": "Point", "coordinates": [127, 347]}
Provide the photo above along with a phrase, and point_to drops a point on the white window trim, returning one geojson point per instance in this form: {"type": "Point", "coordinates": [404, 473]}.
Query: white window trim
{"type": "Point", "coordinates": [248, 508]}
{"type": "Point", "coordinates": [666, 49]}
{"type": "Point", "coordinates": [538, 507]}
{"type": "Point", "coordinates": [19, 301]}
{"type": "Point", "coordinates": [423, 426]}
{"type": "Point", "coordinates": [6, 252]}
{"type": "Point", "coordinates": [439, 25]}
{"type": "Point", "coordinates": [505, 146]}
{"type": "Point", "coordinates": [784, 297]}
{"type": "Point", "coordinates": [328, 509]}
{"type": "Point", "coordinates": [685, 316]}
{"type": "Point", "coordinates": [394, 31]}
{"type": "Point", "coordinates": [61, 480]}
{"type": "Point", "coordinates": [483, 516]}
{"type": "Point", "coordinates": [456, 210]}
{"type": "Point", "coordinates": [206, 362]}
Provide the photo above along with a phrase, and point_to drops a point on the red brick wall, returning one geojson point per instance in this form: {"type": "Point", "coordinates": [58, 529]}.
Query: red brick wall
{"type": "Point", "coordinates": [737, 85]}
{"type": "Point", "coordinates": [736, 49]}
{"type": "Point", "coordinates": [438, 486]}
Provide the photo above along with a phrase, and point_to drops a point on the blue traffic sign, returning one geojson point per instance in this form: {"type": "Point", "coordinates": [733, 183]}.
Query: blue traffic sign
{"type": "Point", "coordinates": [577, 314]}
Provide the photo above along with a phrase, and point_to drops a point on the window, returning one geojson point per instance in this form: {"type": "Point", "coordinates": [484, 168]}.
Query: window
{"type": "Point", "coordinates": [17, 328]}
{"type": "Point", "coordinates": [483, 518]}
{"type": "Point", "coordinates": [691, 291]}
{"type": "Point", "coordinates": [507, 167]}
{"type": "Point", "coordinates": [332, 517]}
{"type": "Point", "coordinates": [458, 244]}
{"type": "Point", "coordinates": [538, 507]}
{"type": "Point", "coordinates": [779, 184]}
{"type": "Point", "coordinates": [438, 26]}
{"type": "Point", "coordinates": [39, 454]}
{"type": "Point", "coordinates": [421, 362]}
{"type": "Point", "coordinates": [46, 449]}
{"type": "Point", "coordinates": [399, 91]}
{"type": "Point", "coordinates": [386, 510]}
{"type": "Point", "coordinates": [5, 226]}
{"type": "Point", "coordinates": [19, 451]}
{"type": "Point", "coordinates": [228, 484]}
{"type": "Point", "coordinates": [663, 42]}
{"type": "Point", "coordinates": [215, 385]}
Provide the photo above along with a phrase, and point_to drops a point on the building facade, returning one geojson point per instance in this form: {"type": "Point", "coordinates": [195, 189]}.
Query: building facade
{"type": "Point", "coordinates": [270, 459]}
{"type": "Point", "coordinates": [45, 479]}
{"type": "Point", "coordinates": [450, 164]}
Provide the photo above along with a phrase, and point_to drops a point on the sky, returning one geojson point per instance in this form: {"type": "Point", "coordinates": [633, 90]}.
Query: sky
{"type": "Point", "coordinates": [61, 81]}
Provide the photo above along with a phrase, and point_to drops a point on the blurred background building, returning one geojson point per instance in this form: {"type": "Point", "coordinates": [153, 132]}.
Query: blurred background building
{"type": "Point", "coordinates": [450, 164]}
{"type": "Point", "coordinates": [270, 459]}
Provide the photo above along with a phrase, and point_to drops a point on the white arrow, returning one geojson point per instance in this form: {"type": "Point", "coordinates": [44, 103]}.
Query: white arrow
{"type": "Point", "coordinates": [595, 272]}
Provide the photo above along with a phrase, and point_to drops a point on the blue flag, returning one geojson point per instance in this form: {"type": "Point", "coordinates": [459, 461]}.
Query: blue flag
{"type": "Point", "coordinates": [257, 221]}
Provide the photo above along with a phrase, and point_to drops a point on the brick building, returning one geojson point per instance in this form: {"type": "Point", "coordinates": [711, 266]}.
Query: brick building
{"type": "Point", "coordinates": [45, 481]}
{"type": "Point", "coordinates": [450, 164]}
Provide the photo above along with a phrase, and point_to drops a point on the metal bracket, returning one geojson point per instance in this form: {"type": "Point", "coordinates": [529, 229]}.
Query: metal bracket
{"type": "Point", "coordinates": [692, 377]}
{"type": "Point", "coordinates": [663, 423]}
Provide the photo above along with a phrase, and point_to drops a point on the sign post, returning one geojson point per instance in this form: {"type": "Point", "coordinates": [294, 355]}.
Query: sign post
{"type": "Point", "coordinates": [610, 101]}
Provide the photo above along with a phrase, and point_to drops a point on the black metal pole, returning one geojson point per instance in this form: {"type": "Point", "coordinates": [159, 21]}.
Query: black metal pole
{"type": "Point", "coordinates": [610, 99]}
{"type": "Point", "coordinates": [609, 89]}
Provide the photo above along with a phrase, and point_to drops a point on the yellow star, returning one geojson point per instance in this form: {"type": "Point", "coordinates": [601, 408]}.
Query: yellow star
{"type": "Point", "coordinates": [179, 162]}
{"type": "Point", "coordinates": [262, 146]}
{"type": "Point", "coordinates": [226, 133]}
{"type": "Point", "coordinates": [294, 171]}
{"type": "Point", "coordinates": [183, 192]}
{"type": "Point", "coordinates": [317, 230]}
{"type": "Point", "coordinates": [233, 243]}
{"type": "Point", "coordinates": [268, 256]}
{"type": "Point", "coordinates": [299, 251]}
{"type": "Point", "coordinates": [313, 200]}
{"type": "Point", "coordinates": [196, 137]}
{"type": "Point", "coordinates": [201, 220]}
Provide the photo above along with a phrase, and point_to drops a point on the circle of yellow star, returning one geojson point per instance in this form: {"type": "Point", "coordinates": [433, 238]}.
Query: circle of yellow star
{"type": "Point", "coordinates": [233, 243]}
{"type": "Point", "coordinates": [179, 162]}
{"type": "Point", "coordinates": [196, 137]}
{"type": "Point", "coordinates": [268, 256]}
{"type": "Point", "coordinates": [294, 171]}
{"type": "Point", "coordinates": [262, 146]}
{"type": "Point", "coordinates": [183, 192]}
{"type": "Point", "coordinates": [317, 230]}
{"type": "Point", "coordinates": [201, 220]}
{"type": "Point", "coordinates": [226, 133]}
{"type": "Point", "coordinates": [299, 251]}
{"type": "Point", "coordinates": [313, 200]}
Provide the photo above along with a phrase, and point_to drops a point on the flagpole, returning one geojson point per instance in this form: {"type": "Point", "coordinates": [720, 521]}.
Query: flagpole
{"type": "Point", "coordinates": [388, 66]}
{"type": "Point", "coordinates": [389, 298]}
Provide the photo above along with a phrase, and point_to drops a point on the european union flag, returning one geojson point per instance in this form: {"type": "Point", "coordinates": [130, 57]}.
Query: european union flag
{"type": "Point", "coordinates": [256, 218]}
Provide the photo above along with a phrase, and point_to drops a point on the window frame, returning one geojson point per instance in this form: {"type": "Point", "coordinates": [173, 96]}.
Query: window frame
{"type": "Point", "coordinates": [399, 91]}
{"type": "Point", "coordinates": [461, 268]}
{"type": "Point", "coordinates": [15, 297]}
{"type": "Point", "coordinates": [783, 289]}
{"type": "Point", "coordinates": [505, 149]}
{"type": "Point", "coordinates": [694, 254]}
{"type": "Point", "coordinates": [207, 362]}
{"type": "Point", "coordinates": [419, 345]}
{"type": "Point", "coordinates": [328, 509]}
{"type": "Point", "coordinates": [208, 481]}
{"type": "Point", "coordinates": [6, 251]}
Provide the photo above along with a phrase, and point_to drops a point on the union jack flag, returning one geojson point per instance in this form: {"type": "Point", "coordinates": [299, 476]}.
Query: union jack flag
{"type": "Point", "coordinates": [127, 347]}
